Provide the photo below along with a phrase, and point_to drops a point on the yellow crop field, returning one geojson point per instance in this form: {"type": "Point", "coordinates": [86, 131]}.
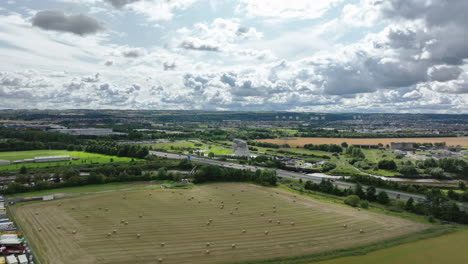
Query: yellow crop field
{"type": "Point", "coordinates": [293, 142]}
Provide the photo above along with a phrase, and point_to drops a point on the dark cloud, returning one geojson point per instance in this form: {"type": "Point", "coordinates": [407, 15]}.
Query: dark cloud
{"type": "Point", "coordinates": [59, 21]}
{"type": "Point", "coordinates": [444, 73]}
{"type": "Point", "coordinates": [120, 3]}
{"type": "Point", "coordinates": [169, 66]}
{"type": "Point", "coordinates": [109, 63]}
{"type": "Point", "coordinates": [91, 79]}
{"type": "Point", "coordinates": [133, 53]}
{"type": "Point", "coordinates": [197, 44]}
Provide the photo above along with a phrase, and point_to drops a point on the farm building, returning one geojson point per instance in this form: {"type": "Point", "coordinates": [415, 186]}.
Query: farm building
{"type": "Point", "coordinates": [4, 162]}
{"type": "Point", "coordinates": [52, 158]}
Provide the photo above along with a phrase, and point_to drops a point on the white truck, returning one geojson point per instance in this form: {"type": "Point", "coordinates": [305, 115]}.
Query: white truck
{"type": "Point", "coordinates": [11, 259]}
{"type": "Point", "coordinates": [7, 226]}
{"type": "Point", "coordinates": [22, 259]}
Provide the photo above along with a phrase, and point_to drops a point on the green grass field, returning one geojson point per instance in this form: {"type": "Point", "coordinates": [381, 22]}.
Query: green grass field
{"type": "Point", "coordinates": [180, 146]}
{"type": "Point", "coordinates": [180, 219]}
{"type": "Point", "coordinates": [83, 158]}
{"type": "Point", "coordinates": [450, 248]}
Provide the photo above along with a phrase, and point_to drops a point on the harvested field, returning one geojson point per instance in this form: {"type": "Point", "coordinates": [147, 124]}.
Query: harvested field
{"type": "Point", "coordinates": [208, 224]}
{"type": "Point", "coordinates": [293, 142]}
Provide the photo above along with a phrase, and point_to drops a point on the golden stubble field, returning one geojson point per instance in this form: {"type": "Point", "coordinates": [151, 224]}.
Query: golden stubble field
{"type": "Point", "coordinates": [294, 142]}
{"type": "Point", "coordinates": [248, 222]}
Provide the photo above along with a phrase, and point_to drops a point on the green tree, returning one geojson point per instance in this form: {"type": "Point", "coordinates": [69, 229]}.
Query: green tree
{"type": "Point", "coordinates": [352, 200]}
{"type": "Point", "coordinates": [410, 204]}
{"type": "Point", "coordinates": [382, 197]}
{"type": "Point", "coordinates": [23, 170]}
{"type": "Point", "coordinates": [462, 185]}
{"type": "Point", "coordinates": [211, 155]}
{"type": "Point", "coordinates": [359, 192]}
{"type": "Point", "coordinates": [371, 193]}
{"type": "Point", "coordinates": [344, 145]}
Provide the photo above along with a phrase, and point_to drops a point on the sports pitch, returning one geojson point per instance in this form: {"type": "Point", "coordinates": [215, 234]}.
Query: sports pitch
{"type": "Point", "coordinates": [248, 222]}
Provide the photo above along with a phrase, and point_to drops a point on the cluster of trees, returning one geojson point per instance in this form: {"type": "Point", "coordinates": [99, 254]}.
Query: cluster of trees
{"type": "Point", "coordinates": [324, 147]}
{"type": "Point", "coordinates": [263, 144]}
{"type": "Point", "coordinates": [212, 173]}
{"type": "Point", "coordinates": [112, 148]}
{"type": "Point", "coordinates": [356, 153]}
{"type": "Point", "coordinates": [387, 165]}
{"type": "Point", "coordinates": [435, 204]}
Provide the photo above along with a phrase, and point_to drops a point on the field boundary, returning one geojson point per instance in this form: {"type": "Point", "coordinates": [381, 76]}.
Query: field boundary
{"type": "Point", "coordinates": [432, 232]}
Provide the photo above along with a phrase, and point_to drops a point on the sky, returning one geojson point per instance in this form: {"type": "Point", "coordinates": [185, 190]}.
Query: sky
{"type": "Point", "coordinates": [399, 56]}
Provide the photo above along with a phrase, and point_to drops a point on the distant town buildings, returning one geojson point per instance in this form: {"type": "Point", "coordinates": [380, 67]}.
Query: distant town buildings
{"type": "Point", "coordinates": [43, 159]}
{"type": "Point", "coordinates": [88, 131]}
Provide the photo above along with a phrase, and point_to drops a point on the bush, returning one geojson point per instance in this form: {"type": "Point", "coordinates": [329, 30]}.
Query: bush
{"type": "Point", "coordinates": [352, 200]}
{"type": "Point", "coordinates": [364, 204]}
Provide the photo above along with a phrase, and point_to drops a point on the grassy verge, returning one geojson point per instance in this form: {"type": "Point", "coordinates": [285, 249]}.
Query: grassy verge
{"type": "Point", "coordinates": [361, 250]}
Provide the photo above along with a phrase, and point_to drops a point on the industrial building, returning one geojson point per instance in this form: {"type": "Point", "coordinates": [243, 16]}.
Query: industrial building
{"type": "Point", "coordinates": [44, 159]}
{"type": "Point", "coordinates": [407, 146]}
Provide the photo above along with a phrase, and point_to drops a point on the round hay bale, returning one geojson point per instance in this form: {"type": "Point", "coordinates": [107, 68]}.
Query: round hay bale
{"type": "Point", "coordinates": [266, 232]}
{"type": "Point", "coordinates": [359, 209]}
{"type": "Point", "coordinates": [58, 227]}
{"type": "Point", "coordinates": [292, 223]}
{"type": "Point", "coordinates": [221, 207]}
{"type": "Point", "coordinates": [163, 244]}
{"type": "Point", "coordinates": [345, 225]}
{"type": "Point", "coordinates": [107, 209]}
{"type": "Point", "coordinates": [222, 202]}
{"type": "Point", "coordinates": [109, 234]}
{"type": "Point", "coordinates": [122, 221]}
{"type": "Point", "coordinates": [138, 235]}
{"type": "Point", "coordinates": [233, 246]}
{"type": "Point", "coordinates": [210, 220]}
{"type": "Point", "coordinates": [361, 231]}
{"type": "Point", "coordinates": [262, 214]}
{"type": "Point", "coordinates": [207, 252]}
{"type": "Point", "coordinates": [237, 208]}
{"type": "Point", "coordinates": [199, 201]}
{"type": "Point", "coordinates": [207, 244]}
{"type": "Point", "coordinates": [150, 194]}
{"type": "Point", "coordinates": [243, 231]}
{"type": "Point", "coordinates": [208, 223]}
{"type": "Point", "coordinates": [140, 216]}
{"type": "Point", "coordinates": [73, 208]}
{"type": "Point", "coordinates": [274, 211]}
{"type": "Point", "coordinates": [269, 220]}
{"type": "Point", "coordinates": [278, 222]}
{"type": "Point", "coordinates": [160, 260]}
{"type": "Point", "coordinates": [114, 231]}
{"type": "Point", "coordinates": [74, 232]}
{"type": "Point", "coordinates": [100, 208]}
{"type": "Point", "coordinates": [126, 223]}
{"type": "Point", "coordinates": [231, 212]}
{"type": "Point", "coordinates": [274, 206]}
{"type": "Point", "coordinates": [40, 229]}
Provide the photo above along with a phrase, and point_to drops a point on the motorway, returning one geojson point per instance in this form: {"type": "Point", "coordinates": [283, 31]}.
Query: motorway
{"type": "Point", "coordinates": [287, 174]}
